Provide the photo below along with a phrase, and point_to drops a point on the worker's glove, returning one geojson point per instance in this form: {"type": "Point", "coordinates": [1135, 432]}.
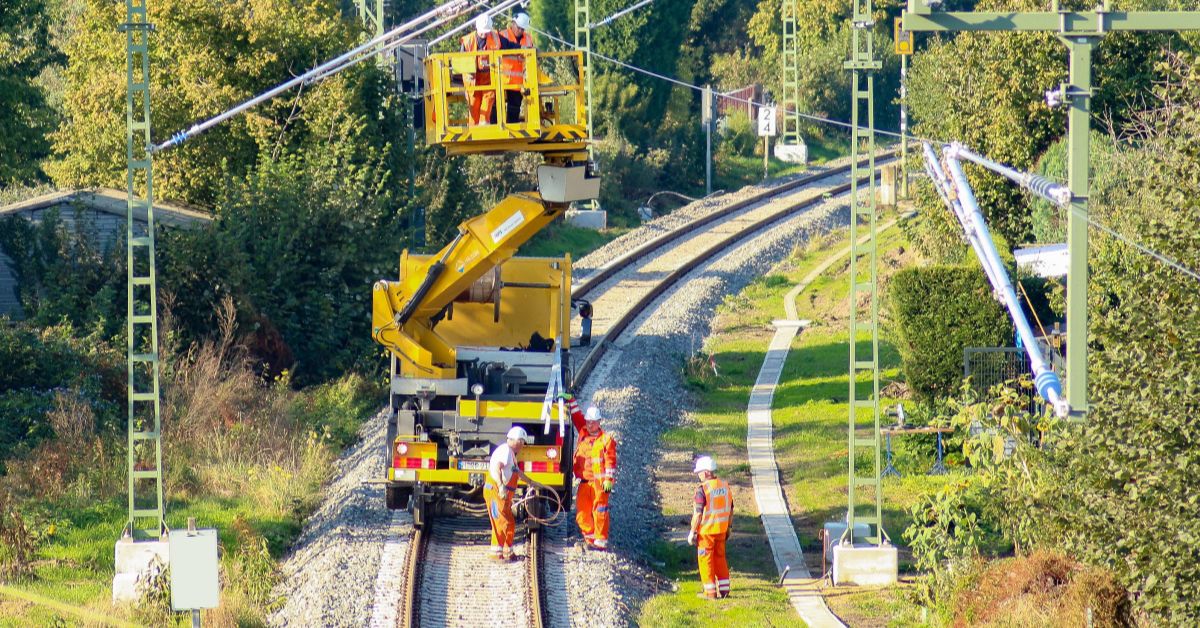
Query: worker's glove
{"type": "Point", "coordinates": [608, 486]}
{"type": "Point", "coordinates": [502, 493]}
{"type": "Point", "coordinates": [691, 537]}
{"type": "Point", "coordinates": [566, 396]}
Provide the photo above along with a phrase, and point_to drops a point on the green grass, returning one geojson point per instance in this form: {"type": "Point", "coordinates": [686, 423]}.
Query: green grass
{"type": "Point", "coordinates": [732, 172]}
{"type": "Point", "coordinates": [257, 507]}
{"type": "Point", "coordinates": [755, 601]}
{"type": "Point", "coordinates": [562, 238]}
{"type": "Point", "coordinates": [810, 414]}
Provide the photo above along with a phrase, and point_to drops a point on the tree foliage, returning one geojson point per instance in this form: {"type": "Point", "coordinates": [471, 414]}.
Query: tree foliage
{"type": "Point", "coordinates": [297, 244]}
{"type": "Point", "coordinates": [25, 116]}
{"type": "Point", "coordinates": [1128, 498]}
{"type": "Point", "coordinates": [205, 58]}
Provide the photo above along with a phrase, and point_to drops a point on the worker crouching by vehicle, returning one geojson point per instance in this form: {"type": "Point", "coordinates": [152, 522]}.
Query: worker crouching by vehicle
{"type": "Point", "coordinates": [595, 466]}
{"type": "Point", "coordinates": [710, 528]}
{"type": "Point", "coordinates": [503, 474]}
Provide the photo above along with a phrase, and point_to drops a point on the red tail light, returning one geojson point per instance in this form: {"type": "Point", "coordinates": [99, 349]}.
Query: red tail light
{"type": "Point", "coordinates": [541, 467]}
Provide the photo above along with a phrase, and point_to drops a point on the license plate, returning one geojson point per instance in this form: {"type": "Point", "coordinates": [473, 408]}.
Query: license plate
{"type": "Point", "coordinates": [472, 465]}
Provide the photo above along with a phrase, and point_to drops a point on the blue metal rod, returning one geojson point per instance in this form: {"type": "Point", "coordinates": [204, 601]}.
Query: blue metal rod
{"type": "Point", "coordinates": [1046, 380]}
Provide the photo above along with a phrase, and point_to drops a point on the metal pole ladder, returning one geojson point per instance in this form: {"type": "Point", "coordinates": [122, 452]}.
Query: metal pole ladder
{"type": "Point", "coordinates": [144, 440]}
{"type": "Point", "coordinates": [863, 439]}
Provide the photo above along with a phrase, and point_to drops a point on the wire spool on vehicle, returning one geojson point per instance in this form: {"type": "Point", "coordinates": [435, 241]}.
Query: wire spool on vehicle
{"type": "Point", "coordinates": [486, 289]}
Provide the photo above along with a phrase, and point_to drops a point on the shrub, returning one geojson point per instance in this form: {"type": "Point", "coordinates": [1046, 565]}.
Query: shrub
{"type": "Point", "coordinates": [738, 137]}
{"type": "Point", "coordinates": [936, 312]}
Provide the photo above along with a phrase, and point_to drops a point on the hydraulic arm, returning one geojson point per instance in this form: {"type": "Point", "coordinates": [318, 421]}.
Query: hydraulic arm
{"type": "Point", "coordinates": [402, 310]}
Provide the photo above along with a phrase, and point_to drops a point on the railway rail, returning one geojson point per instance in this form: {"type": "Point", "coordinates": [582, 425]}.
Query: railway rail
{"type": "Point", "coordinates": [447, 578]}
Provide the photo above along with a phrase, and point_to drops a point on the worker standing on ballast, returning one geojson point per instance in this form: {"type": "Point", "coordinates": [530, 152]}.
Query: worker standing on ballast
{"type": "Point", "coordinates": [595, 466]}
{"type": "Point", "coordinates": [503, 474]}
{"type": "Point", "coordinates": [483, 98]}
{"type": "Point", "coordinates": [512, 66]}
{"type": "Point", "coordinates": [710, 528]}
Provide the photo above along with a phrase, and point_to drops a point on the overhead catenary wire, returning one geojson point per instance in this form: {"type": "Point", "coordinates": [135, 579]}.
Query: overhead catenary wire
{"type": "Point", "coordinates": [405, 32]}
{"type": "Point", "coordinates": [1141, 247]}
{"type": "Point", "coordinates": [620, 14]}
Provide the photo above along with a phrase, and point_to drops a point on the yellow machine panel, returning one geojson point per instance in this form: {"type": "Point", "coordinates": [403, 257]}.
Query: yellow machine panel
{"type": "Point", "coordinates": [533, 296]}
{"type": "Point", "coordinates": [555, 118]}
{"type": "Point", "coordinates": [501, 409]}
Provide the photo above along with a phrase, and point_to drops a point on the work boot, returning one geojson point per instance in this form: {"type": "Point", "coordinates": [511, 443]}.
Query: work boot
{"type": "Point", "coordinates": [596, 548]}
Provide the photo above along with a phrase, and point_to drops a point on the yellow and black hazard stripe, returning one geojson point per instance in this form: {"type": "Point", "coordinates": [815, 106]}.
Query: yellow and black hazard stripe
{"type": "Point", "coordinates": [563, 134]}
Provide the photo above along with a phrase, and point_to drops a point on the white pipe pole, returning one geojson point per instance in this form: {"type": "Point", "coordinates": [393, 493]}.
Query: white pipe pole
{"type": "Point", "coordinates": [1054, 192]}
{"type": "Point", "coordinates": [491, 12]}
{"type": "Point", "coordinates": [446, 11]}
{"type": "Point", "coordinates": [943, 186]}
{"type": "Point", "coordinates": [403, 40]}
{"type": "Point", "coordinates": [1046, 380]}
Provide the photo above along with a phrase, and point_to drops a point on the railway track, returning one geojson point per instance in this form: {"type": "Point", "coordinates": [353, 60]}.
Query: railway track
{"type": "Point", "coordinates": [448, 579]}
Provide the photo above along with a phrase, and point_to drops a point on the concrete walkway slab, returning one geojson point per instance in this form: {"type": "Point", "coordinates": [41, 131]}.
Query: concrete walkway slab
{"type": "Point", "coordinates": [802, 588]}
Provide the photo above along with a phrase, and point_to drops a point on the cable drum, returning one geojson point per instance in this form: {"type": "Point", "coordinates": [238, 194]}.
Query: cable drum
{"type": "Point", "coordinates": [554, 520]}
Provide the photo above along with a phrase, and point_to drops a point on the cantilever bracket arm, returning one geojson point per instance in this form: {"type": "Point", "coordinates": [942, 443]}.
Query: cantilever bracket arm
{"type": "Point", "coordinates": [918, 18]}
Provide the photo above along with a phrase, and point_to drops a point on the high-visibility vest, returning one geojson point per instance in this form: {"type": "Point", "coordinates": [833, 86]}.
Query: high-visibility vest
{"type": "Point", "coordinates": [718, 507]}
{"type": "Point", "coordinates": [483, 66]}
{"type": "Point", "coordinates": [583, 455]}
{"type": "Point", "coordinates": [512, 66]}
{"type": "Point", "coordinates": [604, 458]}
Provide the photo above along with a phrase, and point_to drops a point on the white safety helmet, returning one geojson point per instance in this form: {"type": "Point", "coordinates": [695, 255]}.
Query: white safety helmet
{"type": "Point", "coordinates": [483, 24]}
{"type": "Point", "coordinates": [522, 21]}
{"type": "Point", "coordinates": [517, 433]}
{"type": "Point", "coordinates": [592, 414]}
{"type": "Point", "coordinates": [705, 463]}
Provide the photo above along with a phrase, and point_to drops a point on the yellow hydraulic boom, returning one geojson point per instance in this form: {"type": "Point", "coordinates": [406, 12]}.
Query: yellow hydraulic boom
{"type": "Point", "coordinates": [405, 312]}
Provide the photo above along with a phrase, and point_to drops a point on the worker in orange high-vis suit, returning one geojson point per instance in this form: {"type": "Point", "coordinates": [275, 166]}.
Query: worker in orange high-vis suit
{"type": "Point", "coordinates": [483, 98]}
{"type": "Point", "coordinates": [710, 528]}
{"type": "Point", "coordinates": [512, 66]}
{"type": "Point", "coordinates": [502, 477]}
{"type": "Point", "coordinates": [595, 466]}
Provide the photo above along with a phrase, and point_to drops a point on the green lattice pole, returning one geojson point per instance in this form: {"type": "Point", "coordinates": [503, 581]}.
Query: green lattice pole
{"type": "Point", "coordinates": [144, 442]}
{"type": "Point", "coordinates": [863, 439]}
{"type": "Point", "coordinates": [583, 41]}
{"type": "Point", "coordinates": [1081, 31]}
{"type": "Point", "coordinates": [371, 13]}
{"type": "Point", "coordinates": [790, 65]}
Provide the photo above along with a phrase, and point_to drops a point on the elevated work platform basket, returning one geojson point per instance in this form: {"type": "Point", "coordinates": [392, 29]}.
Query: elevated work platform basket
{"type": "Point", "coordinates": [553, 116]}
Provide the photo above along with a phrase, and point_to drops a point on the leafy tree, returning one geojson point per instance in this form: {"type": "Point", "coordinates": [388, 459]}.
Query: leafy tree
{"type": "Point", "coordinates": [297, 244]}
{"type": "Point", "coordinates": [64, 274]}
{"type": "Point", "coordinates": [1128, 496]}
{"type": "Point", "coordinates": [205, 58]}
{"type": "Point", "coordinates": [25, 116]}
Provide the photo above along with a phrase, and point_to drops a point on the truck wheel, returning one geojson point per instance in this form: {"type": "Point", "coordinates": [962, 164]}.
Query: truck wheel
{"type": "Point", "coordinates": [398, 497]}
{"type": "Point", "coordinates": [420, 509]}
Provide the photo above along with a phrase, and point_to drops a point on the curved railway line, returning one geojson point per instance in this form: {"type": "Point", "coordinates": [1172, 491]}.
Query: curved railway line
{"type": "Point", "coordinates": [447, 578]}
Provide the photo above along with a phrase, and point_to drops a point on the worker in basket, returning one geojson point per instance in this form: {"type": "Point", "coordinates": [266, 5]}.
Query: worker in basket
{"type": "Point", "coordinates": [482, 97]}
{"type": "Point", "coordinates": [503, 474]}
{"type": "Point", "coordinates": [595, 466]}
{"type": "Point", "coordinates": [710, 528]}
{"type": "Point", "coordinates": [512, 66]}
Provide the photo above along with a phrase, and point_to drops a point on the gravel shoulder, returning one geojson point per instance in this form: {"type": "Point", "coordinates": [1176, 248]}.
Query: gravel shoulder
{"type": "Point", "coordinates": [638, 385]}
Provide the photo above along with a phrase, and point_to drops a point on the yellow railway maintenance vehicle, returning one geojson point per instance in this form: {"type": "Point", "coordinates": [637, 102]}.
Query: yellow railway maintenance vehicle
{"type": "Point", "coordinates": [479, 338]}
